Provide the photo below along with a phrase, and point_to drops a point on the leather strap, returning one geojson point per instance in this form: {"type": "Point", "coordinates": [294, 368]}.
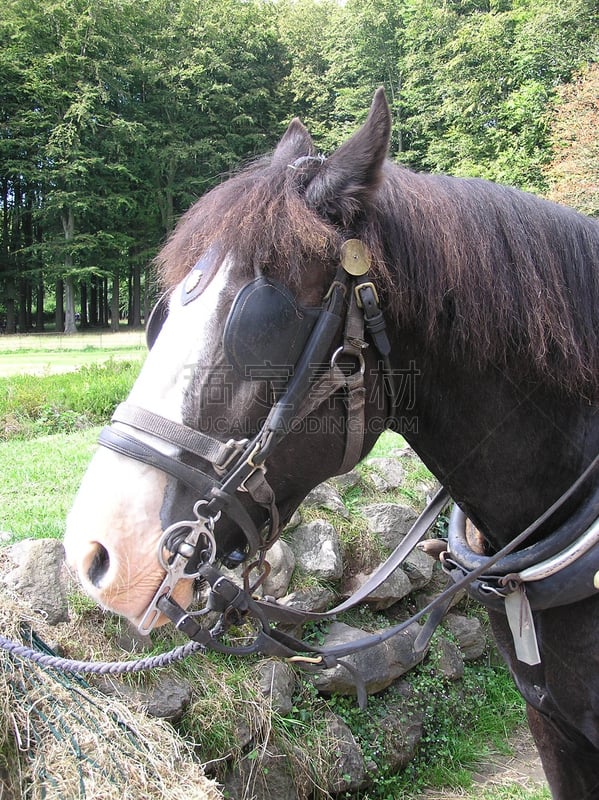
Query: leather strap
{"type": "Point", "coordinates": [416, 533]}
{"type": "Point", "coordinates": [192, 441]}
{"type": "Point", "coordinates": [353, 346]}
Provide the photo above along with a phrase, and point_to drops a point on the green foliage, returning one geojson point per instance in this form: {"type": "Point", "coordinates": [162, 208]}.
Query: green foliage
{"type": "Point", "coordinates": [463, 722]}
{"type": "Point", "coordinates": [32, 406]}
{"type": "Point", "coordinates": [116, 116]}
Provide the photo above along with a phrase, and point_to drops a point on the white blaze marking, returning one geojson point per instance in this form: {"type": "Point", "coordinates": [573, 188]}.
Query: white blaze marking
{"type": "Point", "coordinates": [185, 340]}
{"type": "Point", "coordinates": [119, 501]}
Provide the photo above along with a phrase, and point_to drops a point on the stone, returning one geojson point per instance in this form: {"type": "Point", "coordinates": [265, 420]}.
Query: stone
{"type": "Point", "coordinates": [419, 566]}
{"type": "Point", "coordinates": [385, 473]}
{"type": "Point", "coordinates": [391, 521]}
{"type": "Point", "coordinates": [168, 699]}
{"type": "Point", "coordinates": [346, 481]}
{"type": "Point", "coordinates": [378, 665]}
{"type": "Point", "coordinates": [402, 727]}
{"type": "Point", "coordinates": [469, 635]}
{"type": "Point", "coordinates": [296, 519]}
{"type": "Point", "coordinates": [131, 640]}
{"type": "Point", "coordinates": [346, 768]}
{"type": "Point", "coordinates": [314, 598]}
{"type": "Point", "coordinates": [325, 495]}
{"type": "Point", "coordinates": [40, 577]}
{"type": "Point", "coordinates": [264, 774]}
{"type": "Point", "coordinates": [439, 582]}
{"type": "Point", "coordinates": [448, 661]}
{"type": "Point", "coordinates": [317, 549]}
{"type": "Point", "coordinates": [243, 734]}
{"type": "Point", "coordinates": [282, 563]}
{"type": "Point", "coordinates": [277, 681]}
{"type": "Point", "coordinates": [392, 590]}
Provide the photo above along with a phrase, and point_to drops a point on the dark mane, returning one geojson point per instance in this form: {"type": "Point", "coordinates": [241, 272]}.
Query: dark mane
{"type": "Point", "coordinates": [258, 216]}
{"type": "Point", "coordinates": [500, 274]}
{"type": "Point", "coordinates": [514, 275]}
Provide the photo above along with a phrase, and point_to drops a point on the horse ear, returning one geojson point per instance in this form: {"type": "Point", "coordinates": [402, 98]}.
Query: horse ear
{"type": "Point", "coordinates": [295, 143]}
{"type": "Point", "coordinates": [352, 173]}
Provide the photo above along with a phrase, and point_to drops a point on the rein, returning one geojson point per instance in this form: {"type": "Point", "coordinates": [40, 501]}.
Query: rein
{"type": "Point", "coordinates": [235, 605]}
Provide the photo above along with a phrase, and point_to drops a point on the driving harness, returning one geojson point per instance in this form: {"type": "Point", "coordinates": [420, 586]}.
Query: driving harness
{"type": "Point", "coordinates": [268, 335]}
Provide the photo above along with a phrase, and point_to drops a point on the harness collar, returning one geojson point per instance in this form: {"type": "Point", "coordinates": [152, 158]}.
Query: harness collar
{"type": "Point", "coordinates": [558, 570]}
{"type": "Point", "coordinates": [561, 569]}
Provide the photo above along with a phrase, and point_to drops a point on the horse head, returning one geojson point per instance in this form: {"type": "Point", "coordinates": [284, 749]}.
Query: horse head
{"type": "Point", "coordinates": [259, 383]}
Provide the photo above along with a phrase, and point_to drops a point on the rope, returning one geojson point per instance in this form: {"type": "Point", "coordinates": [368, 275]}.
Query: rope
{"type": "Point", "coordinates": [100, 667]}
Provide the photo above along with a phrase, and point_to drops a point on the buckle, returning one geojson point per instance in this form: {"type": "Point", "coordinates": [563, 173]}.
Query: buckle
{"type": "Point", "coordinates": [236, 449]}
{"type": "Point", "coordinates": [365, 285]}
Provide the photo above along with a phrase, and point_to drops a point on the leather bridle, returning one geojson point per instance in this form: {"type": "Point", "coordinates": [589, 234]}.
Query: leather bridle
{"type": "Point", "coordinates": [237, 467]}
{"type": "Point", "coordinates": [188, 549]}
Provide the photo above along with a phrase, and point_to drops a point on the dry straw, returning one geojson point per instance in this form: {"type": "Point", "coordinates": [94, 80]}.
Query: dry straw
{"type": "Point", "coordinates": [62, 739]}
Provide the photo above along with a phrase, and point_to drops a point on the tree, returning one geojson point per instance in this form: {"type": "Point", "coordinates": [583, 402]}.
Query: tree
{"type": "Point", "coordinates": [573, 173]}
{"type": "Point", "coordinates": [116, 118]}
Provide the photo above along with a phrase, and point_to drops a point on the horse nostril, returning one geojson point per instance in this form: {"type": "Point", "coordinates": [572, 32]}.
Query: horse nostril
{"type": "Point", "coordinates": [99, 565]}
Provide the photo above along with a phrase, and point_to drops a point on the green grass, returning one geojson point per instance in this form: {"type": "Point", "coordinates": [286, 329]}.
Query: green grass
{"type": "Point", "coordinates": [39, 480]}
{"type": "Point", "coordinates": [48, 429]}
{"type": "Point", "coordinates": [35, 362]}
{"type": "Point", "coordinates": [35, 405]}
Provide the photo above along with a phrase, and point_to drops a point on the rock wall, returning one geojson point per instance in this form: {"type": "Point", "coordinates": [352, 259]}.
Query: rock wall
{"type": "Point", "coordinates": [335, 541]}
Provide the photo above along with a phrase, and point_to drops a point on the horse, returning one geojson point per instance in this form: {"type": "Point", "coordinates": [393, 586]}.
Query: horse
{"type": "Point", "coordinates": [481, 297]}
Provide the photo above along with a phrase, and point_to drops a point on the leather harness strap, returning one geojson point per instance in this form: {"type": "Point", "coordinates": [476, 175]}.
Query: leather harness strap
{"type": "Point", "coordinates": [353, 347]}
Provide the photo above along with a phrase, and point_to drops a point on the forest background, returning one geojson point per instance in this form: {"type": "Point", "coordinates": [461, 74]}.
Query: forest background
{"type": "Point", "coordinates": [115, 115]}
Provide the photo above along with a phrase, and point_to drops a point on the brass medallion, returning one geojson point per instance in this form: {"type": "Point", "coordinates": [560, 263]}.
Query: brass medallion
{"type": "Point", "coordinates": [355, 257]}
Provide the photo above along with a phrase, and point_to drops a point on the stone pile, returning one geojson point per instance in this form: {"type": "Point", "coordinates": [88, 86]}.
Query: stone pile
{"type": "Point", "coordinates": [311, 548]}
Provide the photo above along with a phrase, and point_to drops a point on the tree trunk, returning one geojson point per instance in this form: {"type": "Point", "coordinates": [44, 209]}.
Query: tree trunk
{"type": "Point", "coordinates": [84, 322]}
{"type": "Point", "coordinates": [59, 314]}
{"type": "Point", "coordinates": [68, 225]}
{"type": "Point", "coordinates": [93, 302]}
{"type": "Point", "coordinates": [147, 299]}
{"type": "Point", "coordinates": [101, 303]}
{"type": "Point", "coordinates": [24, 319]}
{"type": "Point", "coordinates": [136, 297]}
{"type": "Point", "coordinates": [11, 307]}
{"type": "Point", "coordinates": [115, 301]}
{"type": "Point", "coordinates": [29, 305]}
{"type": "Point", "coordinates": [39, 305]}
{"type": "Point", "coordinates": [166, 198]}
{"type": "Point", "coordinates": [129, 299]}
{"type": "Point", "coordinates": [69, 304]}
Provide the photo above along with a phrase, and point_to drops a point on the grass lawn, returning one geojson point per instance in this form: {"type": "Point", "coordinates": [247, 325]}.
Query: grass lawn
{"type": "Point", "coordinates": [39, 481]}
{"type": "Point", "coordinates": [43, 354]}
{"type": "Point", "coordinates": [46, 362]}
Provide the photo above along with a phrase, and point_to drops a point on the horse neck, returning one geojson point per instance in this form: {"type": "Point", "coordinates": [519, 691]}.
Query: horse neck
{"type": "Point", "coordinates": [505, 449]}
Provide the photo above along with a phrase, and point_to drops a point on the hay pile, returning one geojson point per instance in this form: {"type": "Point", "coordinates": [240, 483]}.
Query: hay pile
{"type": "Point", "coordinates": [61, 739]}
